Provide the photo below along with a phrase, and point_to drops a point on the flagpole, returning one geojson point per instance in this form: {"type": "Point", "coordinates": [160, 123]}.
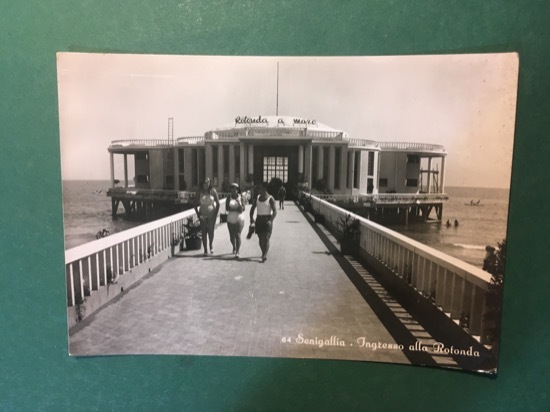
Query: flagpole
{"type": "Point", "coordinates": [277, 108]}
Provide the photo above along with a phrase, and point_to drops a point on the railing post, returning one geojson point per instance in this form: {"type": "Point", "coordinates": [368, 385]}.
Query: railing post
{"type": "Point", "coordinates": [123, 257]}
{"type": "Point", "coordinates": [81, 279]}
{"type": "Point", "coordinates": [90, 282]}
{"type": "Point", "coordinates": [414, 269]}
{"type": "Point", "coordinates": [476, 316]}
{"type": "Point", "coordinates": [70, 289]}
{"type": "Point", "coordinates": [459, 304]}
{"type": "Point", "coordinates": [113, 272]}
{"type": "Point", "coordinates": [440, 287]}
{"type": "Point", "coordinates": [129, 255]}
{"type": "Point", "coordinates": [97, 270]}
{"type": "Point", "coordinates": [104, 267]}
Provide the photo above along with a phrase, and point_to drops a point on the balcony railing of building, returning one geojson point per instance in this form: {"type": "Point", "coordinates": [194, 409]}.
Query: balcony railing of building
{"type": "Point", "coordinates": [423, 147]}
{"type": "Point", "coordinates": [454, 287]}
{"type": "Point", "coordinates": [190, 140]}
{"type": "Point", "coordinates": [362, 143]}
{"type": "Point", "coordinates": [386, 198]}
{"type": "Point", "coordinates": [317, 135]}
{"type": "Point", "coordinates": [140, 142]}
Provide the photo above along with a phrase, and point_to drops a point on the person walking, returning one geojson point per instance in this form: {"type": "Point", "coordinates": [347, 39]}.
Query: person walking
{"type": "Point", "coordinates": [207, 205]}
{"type": "Point", "coordinates": [267, 211]}
{"type": "Point", "coordinates": [281, 194]}
{"type": "Point", "coordinates": [235, 206]}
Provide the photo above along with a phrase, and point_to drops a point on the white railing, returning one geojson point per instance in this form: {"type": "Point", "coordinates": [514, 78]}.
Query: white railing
{"type": "Point", "coordinates": [133, 191]}
{"type": "Point", "coordinates": [95, 264]}
{"type": "Point", "coordinates": [425, 147]}
{"type": "Point", "coordinates": [386, 198]}
{"type": "Point", "coordinates": [190, 140]}
{"type": "Point", "coordinates": [320, 135]}
{"type": "Point", "coordinates": [140, 142]}
{"type": "Point", "coordinates": [362, 143]}
{"type": "Point", "coordinates": [455, 287]}
{"type": "Point", "coordinates": [155, 142]}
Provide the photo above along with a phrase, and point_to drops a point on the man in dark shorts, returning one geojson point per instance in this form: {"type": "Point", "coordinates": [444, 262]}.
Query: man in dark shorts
{"type": "Point", "coordinates": [267, 211]}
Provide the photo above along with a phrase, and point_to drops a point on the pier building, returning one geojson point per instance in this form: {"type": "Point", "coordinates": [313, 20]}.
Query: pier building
{"type": "Point", "coordinates": [385, 179]}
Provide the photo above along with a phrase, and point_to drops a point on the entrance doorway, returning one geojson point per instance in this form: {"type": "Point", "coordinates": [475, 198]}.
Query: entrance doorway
{"type": "Point", "coordinates": [275, 167]}
{"type": "Point", "coordinates": [279, 161]}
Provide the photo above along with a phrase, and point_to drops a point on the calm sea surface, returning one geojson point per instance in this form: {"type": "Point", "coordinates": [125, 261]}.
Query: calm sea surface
{"type": "Point", "coordinates": [87, 209]}
{"type": "Point", "coordinates": [478, 225]}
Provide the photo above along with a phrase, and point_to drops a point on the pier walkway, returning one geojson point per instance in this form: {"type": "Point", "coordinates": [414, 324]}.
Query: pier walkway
{"type": "Point", "coordinates": [305, 301]}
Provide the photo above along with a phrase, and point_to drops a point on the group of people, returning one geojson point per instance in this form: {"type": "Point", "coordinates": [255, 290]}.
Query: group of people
{"type": "Point", "coordinates": [207, 205]}
{"type": "Point", "coordinates": [448, 224]}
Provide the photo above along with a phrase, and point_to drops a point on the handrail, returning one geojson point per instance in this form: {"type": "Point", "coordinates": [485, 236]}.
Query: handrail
{"type": "Point", "coordinates": [140, 142]}
{"type": "Point", "coordinates": [94, 265]}
{"type": "Point", "coordinates": [273, 131]}
{"type": "Point", "coordinates": [456, 288]}
{"type": "Point", "coordinates": [385, 198]}
{"type": "Point", "coordinates": [139, 191]}
{"type": "Point", "coordinates": [190, 139]}
{"type": "Point", "coordinates": [427, 147]}
{"type": "Point", "coordinates": [362, 143]}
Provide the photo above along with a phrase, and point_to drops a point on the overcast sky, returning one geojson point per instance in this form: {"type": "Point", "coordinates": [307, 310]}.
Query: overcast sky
{"type": "Point", "coordinates": [465, 102]}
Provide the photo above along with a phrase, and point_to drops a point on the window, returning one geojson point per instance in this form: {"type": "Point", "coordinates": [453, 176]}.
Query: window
{"type": "Point", "coordinates": [314, 162]}
{"type": "Point", "coordinates": [357, 170]}
{"type": "Point", "coordinates": [169, 184]}
{"type": "Point", "coordinates": [411, 183]}
{"type": "Point", "coordinates": [326, 161]}
{"type": "Point", "coordinates": [194, 167]}
{"type": "Point", "coordinates": [225, 162]}
{"type": "Point", "coordinates": [141, 156]}
{"type": "Point", "coordinates": [181, 165]}
{"type": "Point", "coordinates": [383, 182]}
{"type": "Point", "coordinates": [370, 170]}
{"type": "Point", "coordinates": [237, 163]}
{"type": "Point", "coordinates": [370, 185]}
{"type": "Point", "coordinates": [337, 166]}
{"type": "Point", "coordinates": [214, 165]}
{"type": "Point", "coordinates": [275, 167]}
{"type": "Point", "coordinates": [413, 159]}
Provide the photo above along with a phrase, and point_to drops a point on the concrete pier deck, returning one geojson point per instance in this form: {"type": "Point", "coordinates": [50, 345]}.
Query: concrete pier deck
{"type": "Point", "coordinates": [300, 303]}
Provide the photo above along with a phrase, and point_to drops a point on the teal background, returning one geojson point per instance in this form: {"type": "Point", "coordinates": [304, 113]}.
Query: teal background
{"type": "Point", "coordinates": [37, 374]}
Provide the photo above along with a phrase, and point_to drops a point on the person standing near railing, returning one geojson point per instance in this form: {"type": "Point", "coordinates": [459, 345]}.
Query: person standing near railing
{"type": "Point", "coordinates": [267, 211]}
{"type": "Point", "coordinates": [281, 194]}
{"type": "Point", "coordinates": [235, 207]}
{"type": "Point", "coordinates": [207, 205]}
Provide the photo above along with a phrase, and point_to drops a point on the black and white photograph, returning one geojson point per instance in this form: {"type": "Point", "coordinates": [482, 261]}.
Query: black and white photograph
{"type": "Point", "coordinates": [343, 208]}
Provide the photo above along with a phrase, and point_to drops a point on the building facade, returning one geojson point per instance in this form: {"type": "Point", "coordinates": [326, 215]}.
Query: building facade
{"type": "Point", "coordinates": [299, 152]}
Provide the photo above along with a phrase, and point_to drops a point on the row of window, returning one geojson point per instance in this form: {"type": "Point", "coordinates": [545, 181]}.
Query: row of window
{"type": "Point", "coordinates": [277, 166]}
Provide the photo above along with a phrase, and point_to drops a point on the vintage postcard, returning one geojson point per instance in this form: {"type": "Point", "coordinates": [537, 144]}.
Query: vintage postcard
{"type": "Point", "coordinates": [350, 208]}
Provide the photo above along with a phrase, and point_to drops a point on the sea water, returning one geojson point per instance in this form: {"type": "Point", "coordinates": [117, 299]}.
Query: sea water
{"type": "Point", "coordinates": [87, 210]}
{"type": "Point", "coordinates": [478, 225]}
